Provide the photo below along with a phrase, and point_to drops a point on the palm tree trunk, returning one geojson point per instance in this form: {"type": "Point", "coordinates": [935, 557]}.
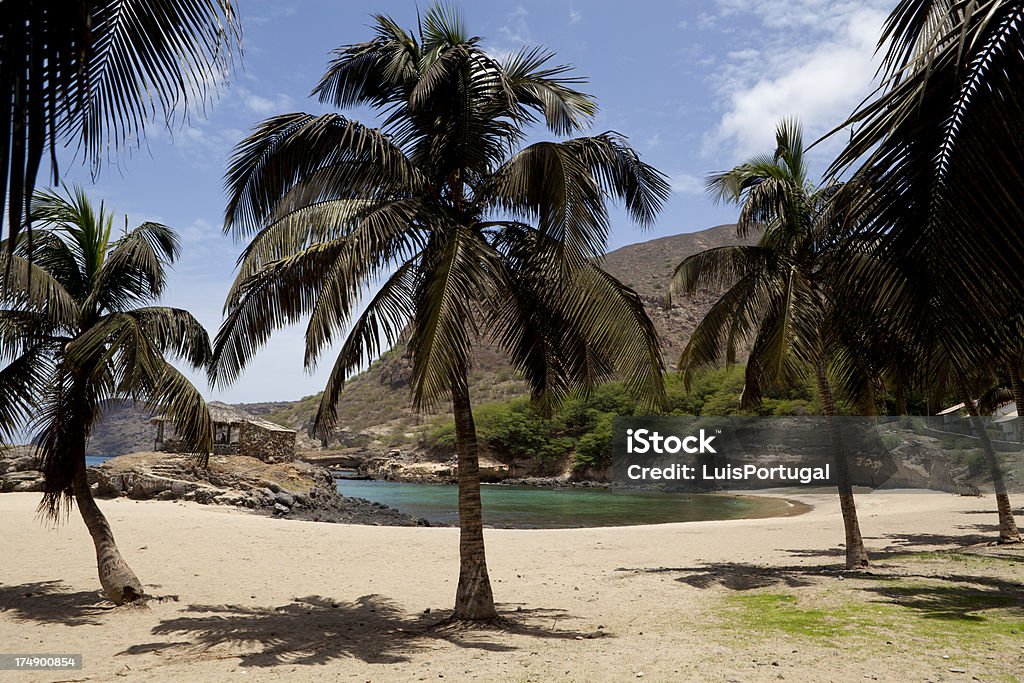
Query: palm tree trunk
{"type": "Point", "coordinates": [856, 554]}
{"type": "Point", "coordinates": [1008, 532]}
{"type": "Point", "coordinates": [1018, 398]}
{"type": "Point", "coordinates": [473, 598]}
{"type": "Point", "coordinates": [118, 580]}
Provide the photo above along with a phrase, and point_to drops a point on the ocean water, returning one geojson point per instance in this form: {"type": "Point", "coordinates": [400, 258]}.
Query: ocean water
{"type": "Point", "coordinates": [531, 507]}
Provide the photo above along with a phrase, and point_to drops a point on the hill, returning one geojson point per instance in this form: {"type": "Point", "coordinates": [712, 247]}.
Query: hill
{"type": "Point", "coordinates": [647, 267]}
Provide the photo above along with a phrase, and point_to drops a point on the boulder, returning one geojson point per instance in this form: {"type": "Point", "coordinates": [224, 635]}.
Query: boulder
{"type": "Point", "coordinates": [21, 481]}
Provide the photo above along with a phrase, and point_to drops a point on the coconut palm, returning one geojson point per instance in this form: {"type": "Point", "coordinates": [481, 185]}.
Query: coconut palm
{"type": "Point", "coordinates": [75, 333]}
{"type": "Point", "coordinates": [93, 73]}
{"type": "Point", "coordinates": [938, 178]}
{"type": "Point", "coordinates": [469, 235]}
{"type": "Point", "coordinates": [945, 375]}
{"type": "Point", "coordinates": [778, 294]}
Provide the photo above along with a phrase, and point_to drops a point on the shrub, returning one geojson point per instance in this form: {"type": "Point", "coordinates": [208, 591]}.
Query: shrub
{"type": "Point", "coordinates": [594, 448]}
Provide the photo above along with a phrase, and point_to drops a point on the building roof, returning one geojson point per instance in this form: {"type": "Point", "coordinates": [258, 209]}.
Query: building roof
{"type": "Point", "coordinates": [952, 409]}
{"type": "Point", "coordinates": [225, 414]}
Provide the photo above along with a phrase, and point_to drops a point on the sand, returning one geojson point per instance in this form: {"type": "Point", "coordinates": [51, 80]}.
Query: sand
{"type": "Point", "coordinates": [265, 599]}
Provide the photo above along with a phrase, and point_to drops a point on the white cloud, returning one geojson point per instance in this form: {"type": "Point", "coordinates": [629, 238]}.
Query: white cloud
{"type": "Point", "coordinates": [516, 30]}
{"type": "Point", "coordinates": [687, 183]}
{"type": "Point", "coordinates": [262, 105]}
{"type": "Point", "coordinates": [794, 65]}
{"type": "Point", "coordinates": [198, 231]}
{"type": "Point", "coordinates": [512, 36]}
{"type": "Point", "coordinates": [575, 16]}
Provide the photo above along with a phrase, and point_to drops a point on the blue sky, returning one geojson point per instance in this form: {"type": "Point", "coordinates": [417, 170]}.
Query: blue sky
{"type": "Point", "coordinates": [697, 85]}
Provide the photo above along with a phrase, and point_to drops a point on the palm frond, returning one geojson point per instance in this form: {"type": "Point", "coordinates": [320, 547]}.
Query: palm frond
{"type": "Point", "coordinates": [724, 327]}
{"type": "Point", "coordinates": [454, 276]}
{"type": "Point", "coordinates": [285, 151]}
{"type": "Point", "coordinates": [126, 352]}
{"type": "Point", "coordinates": [276, 295]}
{"type": "Point", "coordinates": [325, 279]}
{"type": "Point", "coordinates": [563, 185]}
{"type": "Point", "coordinates": [175, 332]}
{"type": "Point", "coordinates": [135, 268]}
{"type": "Point", "coordinates": [378, 328]}
{"type": "Point", "coordinates": [717, 268]}
{"type": "Point", "coordinates": [30, 287]}
{"type": "Point", "coordinates": [62, 422]}
{"type": "Point", "coordinates": [378, 72]}
{"type": "Point", "coordinates": [569, 329]}
{"type": "Point", "coordinates": [177, 399]}
{"type": "Point", "coordinates": [22, 381]}
{"type": "Point", "coordinates": [93, 75]}
{"type": "Point", "coordinates": [535, 85]}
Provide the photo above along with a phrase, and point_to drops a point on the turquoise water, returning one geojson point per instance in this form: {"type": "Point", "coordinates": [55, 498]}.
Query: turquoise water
{"type": "Point", "coordinates": [530, 507]}
{"type": "Point", "coordinates": [91, 460]}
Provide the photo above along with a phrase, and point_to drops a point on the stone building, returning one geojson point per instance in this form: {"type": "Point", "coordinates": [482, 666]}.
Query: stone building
{"type": "Point", "coordinates": [235, 432]}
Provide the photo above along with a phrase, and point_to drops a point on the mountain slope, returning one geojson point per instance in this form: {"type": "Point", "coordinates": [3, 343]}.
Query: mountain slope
{"type": "Point", "coordinates": [647, 267]}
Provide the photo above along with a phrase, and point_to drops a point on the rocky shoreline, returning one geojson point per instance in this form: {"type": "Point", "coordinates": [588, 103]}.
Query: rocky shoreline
{"type": "Point", "coordinates": [556, 483]}
{"type": "Point", "coordinates": [295, 490]}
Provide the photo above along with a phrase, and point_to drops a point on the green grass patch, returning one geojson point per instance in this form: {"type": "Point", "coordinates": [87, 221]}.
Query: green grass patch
{"type": "Point", "coordinates": [771, 613]}
{"type": "Point", "coordinates": [933, 613]}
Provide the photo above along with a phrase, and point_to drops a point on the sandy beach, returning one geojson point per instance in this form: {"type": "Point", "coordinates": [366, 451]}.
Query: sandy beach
{"type": "Point", "coordinates": [265, 599]}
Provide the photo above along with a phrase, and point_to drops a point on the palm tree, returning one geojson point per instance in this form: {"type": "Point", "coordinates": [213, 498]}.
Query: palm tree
{"type": "Point", "coordinates": [938, 179]}
{"type": "Point", "coordinates": [779, 291]}
{"type": "Point", "coordinates": [947, 376]}
{"type": "Point", "coordinates": [471, 234]}
{"type": "Point", "coordinates": [92, 74]}
{"type": "Point", "coordinates": [75, 333]}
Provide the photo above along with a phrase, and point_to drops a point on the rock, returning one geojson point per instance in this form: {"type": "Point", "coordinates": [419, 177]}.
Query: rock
{"type": "Point", "coordinates": [22, 481]}
{"type": "Point", "coordinates": [229, 480]}
{"type": "Point", "coordinates": [204, 495]}
{"type": "Point", "coordinates": [106, 486]}
{"type": "Point", "coordinates": [230, 498]}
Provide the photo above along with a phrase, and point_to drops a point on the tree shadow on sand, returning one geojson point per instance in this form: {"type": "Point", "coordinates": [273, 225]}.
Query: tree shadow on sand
{"type": "Point", "coordinates": [52, 602]}
{"type": "Point", "coordinates": [903, 543]}
{"type": "Point", "coordinates": [738, 576]}
{"type": "Point", "coordinates": [952, 597]}
{"type": "Point", "coordinates": [316, 630]}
